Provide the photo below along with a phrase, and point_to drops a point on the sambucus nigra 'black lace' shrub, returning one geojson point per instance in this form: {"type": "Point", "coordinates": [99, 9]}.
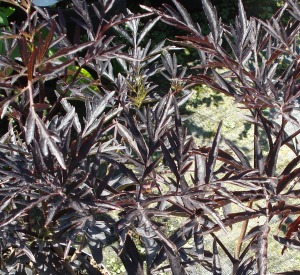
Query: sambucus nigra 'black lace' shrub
{"type": "Point", "coordinates": [93, 154]}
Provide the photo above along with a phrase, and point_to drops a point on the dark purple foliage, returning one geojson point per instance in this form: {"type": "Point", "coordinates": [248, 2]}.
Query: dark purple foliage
{"type": "Point", "coordinates": [93, 154]}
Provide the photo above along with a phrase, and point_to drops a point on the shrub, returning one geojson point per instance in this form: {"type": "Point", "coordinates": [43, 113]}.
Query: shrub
{"type": "Point", "coordinates": [94, 154]}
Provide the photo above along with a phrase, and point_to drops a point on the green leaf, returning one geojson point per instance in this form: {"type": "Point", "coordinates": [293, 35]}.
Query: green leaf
{"type": "Point", "coordinates": [3, 19]}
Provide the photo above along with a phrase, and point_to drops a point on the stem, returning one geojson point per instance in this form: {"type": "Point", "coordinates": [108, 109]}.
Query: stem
{"type": "Point", "coordinates": [263, 252]}
{"type": "Point", "coordinates": [78, 250]}
{"type": "Point", "coordinates": [60, 253]}
{"type": "Point", "coordinates": [58, 250]}
{"type": "Point", "coordinates": [29, 85]}
{"type": "Point", "coordinates": [239, 243]}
